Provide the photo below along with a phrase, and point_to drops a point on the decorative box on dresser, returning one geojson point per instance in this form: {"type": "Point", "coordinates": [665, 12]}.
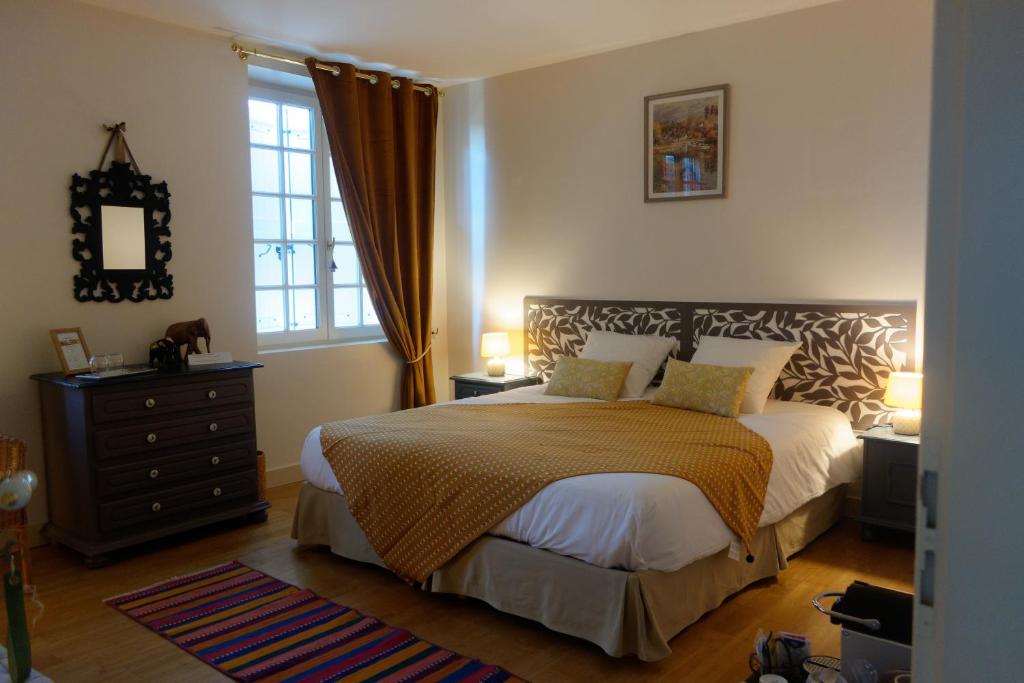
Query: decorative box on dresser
{"type": "Point", "coordinates": [135, 458]}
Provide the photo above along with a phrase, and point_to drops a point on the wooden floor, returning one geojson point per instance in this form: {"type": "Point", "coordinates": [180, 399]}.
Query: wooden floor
{"type": "Point", "coordinates": [78, 638]}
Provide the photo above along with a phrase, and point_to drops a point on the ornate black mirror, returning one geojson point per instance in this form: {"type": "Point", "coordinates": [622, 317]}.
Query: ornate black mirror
{"type": "Point", "coordinates": [121, 231]}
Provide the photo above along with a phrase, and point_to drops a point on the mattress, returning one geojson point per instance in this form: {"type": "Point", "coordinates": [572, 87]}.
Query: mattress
{"type": "Point", "coordinates": [638, 521]}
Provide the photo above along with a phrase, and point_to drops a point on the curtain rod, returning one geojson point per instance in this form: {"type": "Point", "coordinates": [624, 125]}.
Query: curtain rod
{"type": "Point", "coordinates": [244, 53]}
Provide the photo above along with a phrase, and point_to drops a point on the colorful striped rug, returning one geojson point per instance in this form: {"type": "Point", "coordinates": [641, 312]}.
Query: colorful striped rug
{"type": "Point", "coordinates": [253, 627]}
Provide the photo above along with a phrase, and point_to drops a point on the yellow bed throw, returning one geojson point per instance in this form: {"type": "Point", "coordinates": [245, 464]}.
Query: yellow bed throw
{"type": "Point", "coordinates": [425, 483]}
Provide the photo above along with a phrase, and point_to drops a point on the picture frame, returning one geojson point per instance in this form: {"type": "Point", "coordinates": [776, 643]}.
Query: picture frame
{"type": "Point", "coordinates": [685, 142]}
{"type": "Point", "coordinates": [72, 351]}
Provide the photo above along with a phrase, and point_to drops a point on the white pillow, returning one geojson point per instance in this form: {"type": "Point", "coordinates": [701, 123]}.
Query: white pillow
{"type": "Point", "coordinates": [647, 353]}
{"type": "Point", "coordinates": [766, 357]}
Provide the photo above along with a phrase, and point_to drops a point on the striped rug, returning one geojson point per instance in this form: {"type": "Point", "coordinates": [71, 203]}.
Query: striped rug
{"type": "Point", "coordinates": [253, 627]}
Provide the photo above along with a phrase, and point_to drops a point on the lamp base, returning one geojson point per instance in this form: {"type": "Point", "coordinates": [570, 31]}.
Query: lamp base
{"type": "Point", "coordinates": [907, 422]}
{"type": "Point", "coordinates": [496, 367]}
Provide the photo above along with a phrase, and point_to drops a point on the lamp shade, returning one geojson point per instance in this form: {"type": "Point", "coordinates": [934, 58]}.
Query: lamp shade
{"type": "Point", "coordinates": [494, 344]}
{"type": "Point", "coordinates": [904, 390]}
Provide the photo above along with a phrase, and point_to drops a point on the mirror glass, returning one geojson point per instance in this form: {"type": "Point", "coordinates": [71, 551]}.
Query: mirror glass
{"type": "Point", "coordinates": [124, 237]}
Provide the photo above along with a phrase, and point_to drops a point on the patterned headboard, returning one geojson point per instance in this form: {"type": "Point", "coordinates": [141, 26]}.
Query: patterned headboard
{"type": "Point", "coordinates": [848, 349]}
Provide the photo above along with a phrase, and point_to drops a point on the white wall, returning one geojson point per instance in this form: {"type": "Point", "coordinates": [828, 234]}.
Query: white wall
{"type": "Point", "coordinates": [828, 142]}
{"type": "Point", "coordinates": [65, 69]}
{"type": "Point", "coordinates": [972, 406]}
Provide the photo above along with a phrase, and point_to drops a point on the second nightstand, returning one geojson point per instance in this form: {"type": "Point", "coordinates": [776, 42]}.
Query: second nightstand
{"type": "Point", "coordinates": [889, 494]}
{"type": "Point", "coordinates": [480, 383]}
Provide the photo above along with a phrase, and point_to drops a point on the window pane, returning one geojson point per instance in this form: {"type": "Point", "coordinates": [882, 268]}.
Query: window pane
{"type": "Point", "coordinates": [266, 218]}
{"type": "Point", "coordinates": [270, 310]}
{"type": "Point", "coordinates": [346, 306]}
{"type": "Point", "coordinates": [301, 264]}
{"type": "Point", "coordinates": [348, 265]}
{"type": "Point", "coordinates": [339, 223]}
{"type": "Point", "coordinates": [300, 219]}
{"type": "Point", "coordinates": [303, 309]}
{"type": "Point", "coordinates": [262, 122]}
{"type": "Point", "coordinates": [369, 314]}
{"type": "Point", "coordinates": [296, 127]}
{"type": "Point", "coordinates": [335, 192]}
{"type": "Point", "coordinates": [265, 175]}
{"type": "Point", "coordinates": [268, 264]}
{"type": "Point", "coordinates": [299, 171]}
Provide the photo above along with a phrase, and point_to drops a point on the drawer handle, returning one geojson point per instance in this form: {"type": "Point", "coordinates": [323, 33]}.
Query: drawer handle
{"type": "Point", "coordinates": [156, 507]}
{"type": "Point", "coordinates": [211, 394]}
{"type": "Point", "coordinates": [150, 402]}
{"type": "Point", "coordinates": [215, 460]}
{"type": "Point", "coordinates": [213, 426]}
{"type": "Point", "coordinates": [154, 473]}
{"type": "Point", "coordinates": [151, 437]}
{"type": "Point", "coordinates": [476, 392]}
{"type": "Point", "coordinates": [216, 491]}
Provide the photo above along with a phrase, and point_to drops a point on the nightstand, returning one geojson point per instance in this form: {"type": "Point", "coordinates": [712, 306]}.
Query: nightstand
{"type": "Point", "coordinates": [480, 383]}
{"type": "Point", "coordinates": [889, 494]}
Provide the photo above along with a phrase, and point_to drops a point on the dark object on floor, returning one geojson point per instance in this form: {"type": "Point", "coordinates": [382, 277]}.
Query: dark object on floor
{"type": "Point", "coordinates": [877, 628]}
{"type": "Point", "coordinates": [189, 333]}
{"type": "Point", "coordinates": [276, 629]}
{"type": "Point", "coordinates": [163, 353]}
{"type": "Point", "coordinates": [894, 611]}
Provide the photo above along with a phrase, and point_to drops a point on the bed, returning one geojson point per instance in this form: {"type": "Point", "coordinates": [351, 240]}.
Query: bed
{"type": "Point", "coordinates": [618, 535]}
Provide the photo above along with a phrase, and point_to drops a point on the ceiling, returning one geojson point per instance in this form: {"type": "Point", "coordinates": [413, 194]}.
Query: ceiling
{"type": "Point", "coordinates": [452, 40]}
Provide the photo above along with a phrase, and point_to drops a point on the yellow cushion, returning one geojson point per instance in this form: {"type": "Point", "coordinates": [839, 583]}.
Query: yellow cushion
{"type": "Point", "coordinates": [584, 378]}
{"type": "Point", "coordinates": [708, 388]}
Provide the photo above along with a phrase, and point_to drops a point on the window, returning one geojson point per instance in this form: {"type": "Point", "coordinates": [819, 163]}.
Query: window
{"type": "Point", "coordinates": [309, 286]}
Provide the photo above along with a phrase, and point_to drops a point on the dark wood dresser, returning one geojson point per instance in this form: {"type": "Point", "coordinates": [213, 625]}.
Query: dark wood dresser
{"type": "Point", "coordinates": [134, 458]}
{"type": "Point", "coordinates": [889, 489]}
{"type": "Point", "coordinates": [472, 384]}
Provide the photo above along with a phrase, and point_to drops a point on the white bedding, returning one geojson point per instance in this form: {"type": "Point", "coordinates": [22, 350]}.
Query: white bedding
{"type": "Point", "coordinates": [652, 521]}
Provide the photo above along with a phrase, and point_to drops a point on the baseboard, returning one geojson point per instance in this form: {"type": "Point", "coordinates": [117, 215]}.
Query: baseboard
{"type": "Point", "coordinates": [279, 476]}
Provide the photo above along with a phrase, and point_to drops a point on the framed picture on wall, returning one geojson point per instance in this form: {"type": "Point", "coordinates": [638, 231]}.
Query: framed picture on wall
{"type": "Point", "coordinates": [684, 144]}
{"type": "Point", "coordinates": [71, 349]}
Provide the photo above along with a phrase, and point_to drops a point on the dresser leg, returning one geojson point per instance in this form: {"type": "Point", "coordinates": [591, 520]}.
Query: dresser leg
{"type": "Point", "coordinates": [97, 561]}
{"type": "Point", "coordinates": [868, 532]}
{"type": "Point", "coordinates": [257, 517]}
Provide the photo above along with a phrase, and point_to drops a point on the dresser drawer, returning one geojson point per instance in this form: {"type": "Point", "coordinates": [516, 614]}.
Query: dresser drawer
{"type": "Point", "coordinates": [175, 504]}
{"type": "Point", "coordinates": [464, 390]}
{"type": "Point", "coordinates": [171, 470]}
{"type": "Point", "coordinates": [154, 436]}
{"type": "Point", "coordinates": [889, 494]}
{"type": "Point", "coordinates": [112, 406]}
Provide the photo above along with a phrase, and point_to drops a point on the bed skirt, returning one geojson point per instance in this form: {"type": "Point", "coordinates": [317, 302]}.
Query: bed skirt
{"type": "Point", "coordinates": [641, 610]}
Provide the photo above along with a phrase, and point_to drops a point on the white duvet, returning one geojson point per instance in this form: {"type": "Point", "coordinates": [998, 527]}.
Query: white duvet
{"type": "Point", "coordinates": [640, 521]}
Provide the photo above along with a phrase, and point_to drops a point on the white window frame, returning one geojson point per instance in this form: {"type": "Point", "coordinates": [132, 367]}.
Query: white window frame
{"type": "Point", "coordinates": [325, 332]}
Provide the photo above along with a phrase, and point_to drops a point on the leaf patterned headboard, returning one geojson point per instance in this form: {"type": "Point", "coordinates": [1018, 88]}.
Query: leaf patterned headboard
{"type": "Point", "coordinates": [847, 352]}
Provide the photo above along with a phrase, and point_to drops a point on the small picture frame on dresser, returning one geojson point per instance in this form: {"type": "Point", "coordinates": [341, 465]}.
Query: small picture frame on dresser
{"type": "Point", "coordinates": [69, 343]}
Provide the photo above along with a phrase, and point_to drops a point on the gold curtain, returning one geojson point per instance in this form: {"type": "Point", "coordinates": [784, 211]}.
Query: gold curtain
{"type": "Point", "coordinates": [383, 146]}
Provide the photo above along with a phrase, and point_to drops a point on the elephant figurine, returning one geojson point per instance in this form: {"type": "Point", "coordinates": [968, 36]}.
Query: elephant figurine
{"type": "Point", "coordinates": [188, 334]}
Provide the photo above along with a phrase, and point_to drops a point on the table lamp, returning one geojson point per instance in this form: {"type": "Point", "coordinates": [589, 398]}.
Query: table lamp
{"type": "Point", "coordinates": [904, 392]}
{"type": "Point", "coordinates": [494, 345]}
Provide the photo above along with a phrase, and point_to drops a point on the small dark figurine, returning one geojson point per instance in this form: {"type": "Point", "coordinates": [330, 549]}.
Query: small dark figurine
{"type": "Point", "coordinates": [188, 334]}
{"type": "Point", "coordinates": [163, 353]}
